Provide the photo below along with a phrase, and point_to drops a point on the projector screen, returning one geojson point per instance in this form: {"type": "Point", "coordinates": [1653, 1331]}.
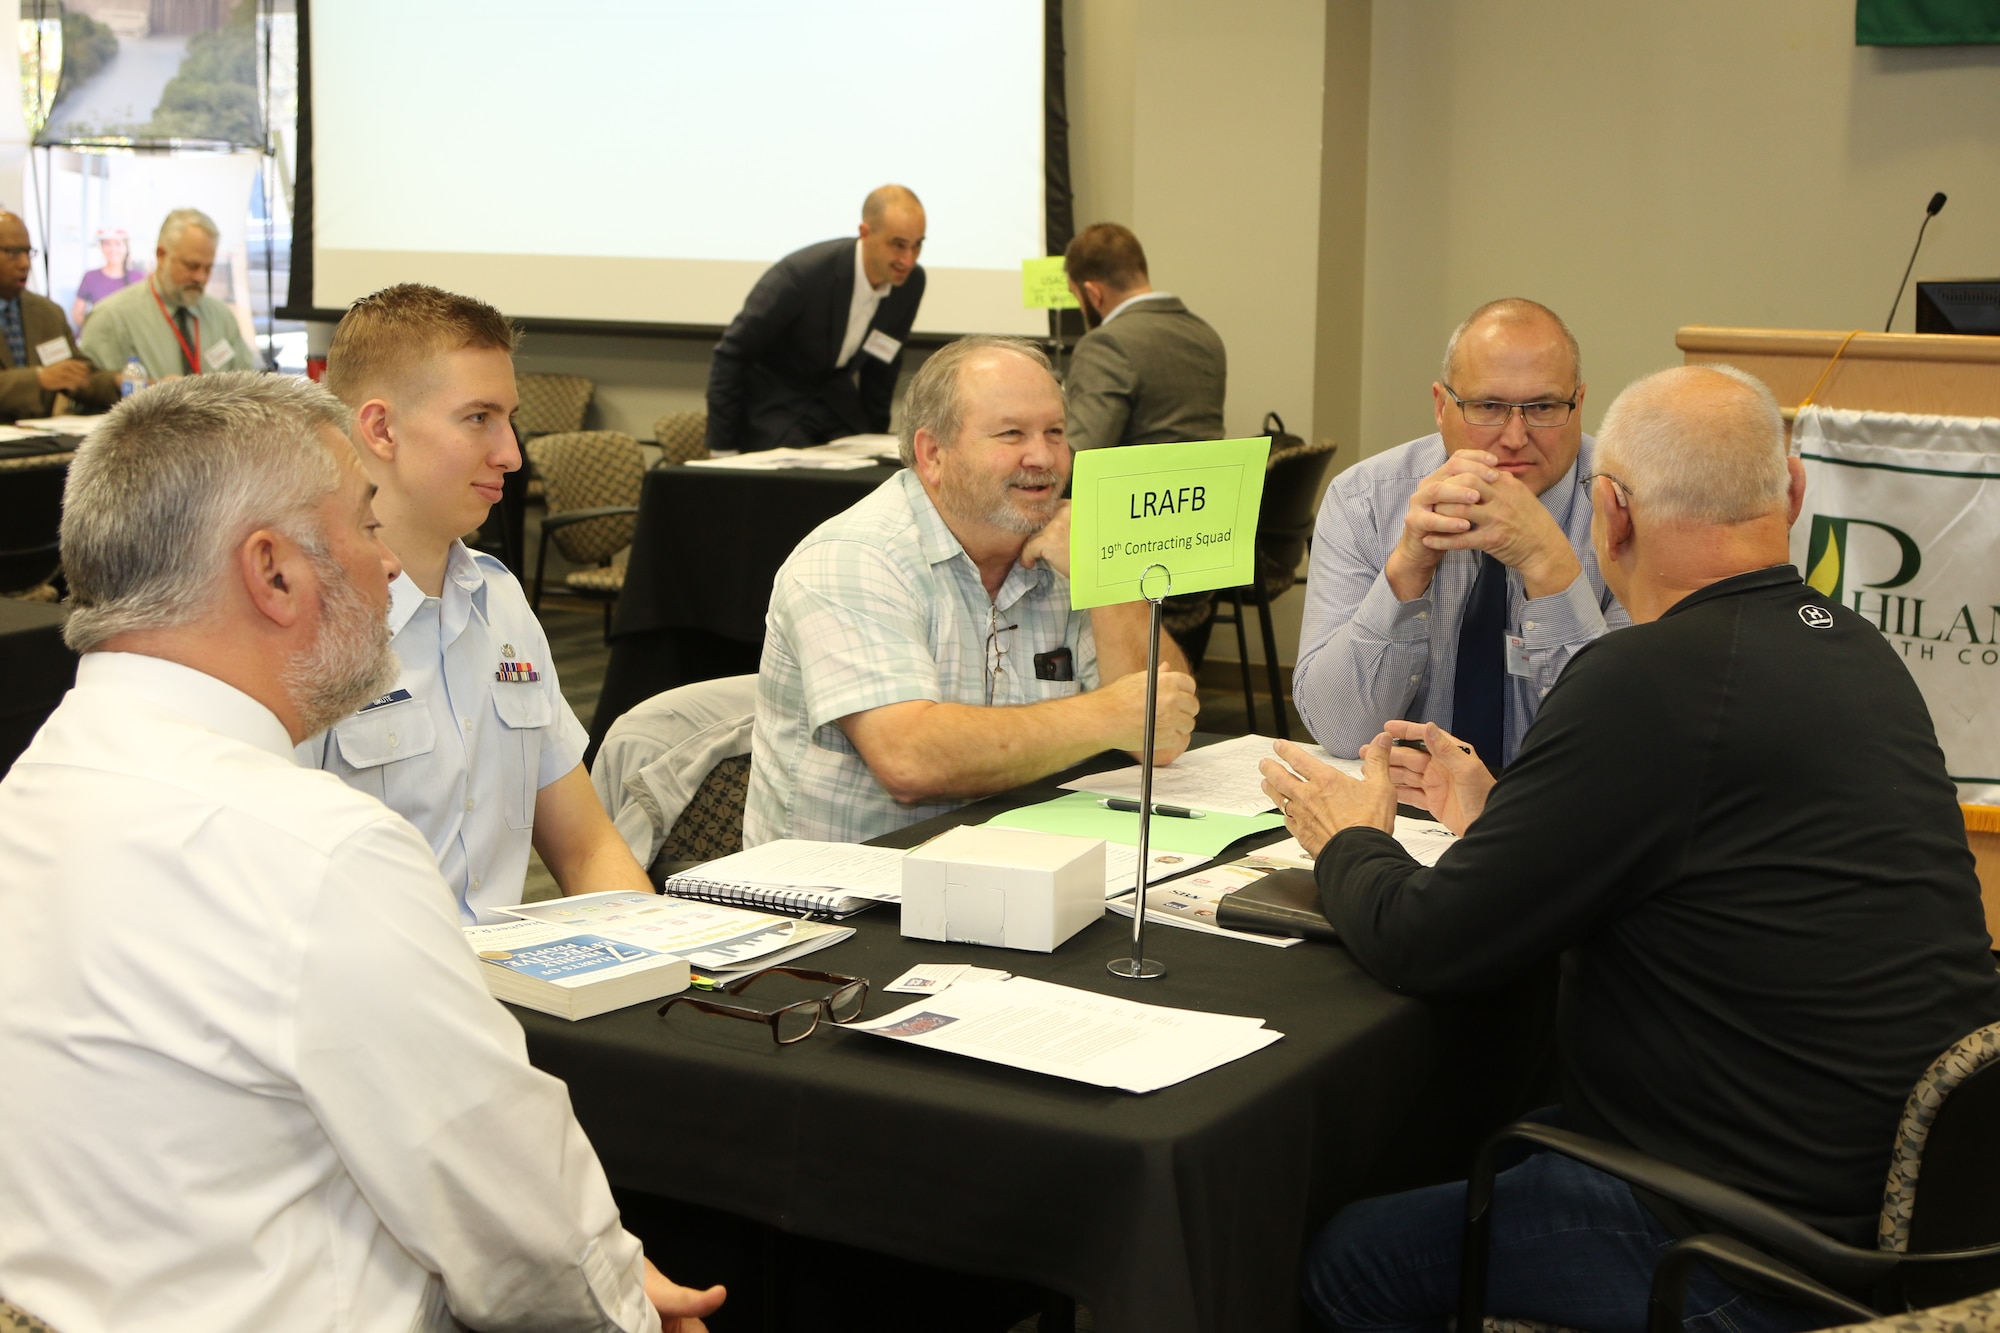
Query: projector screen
{"type": "Point", "coordinates": [644, 161]}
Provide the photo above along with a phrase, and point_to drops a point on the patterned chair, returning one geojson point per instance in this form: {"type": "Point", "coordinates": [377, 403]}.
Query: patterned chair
{"type": "Point", "coordinates": [551, 404]}
{"type": "Point", "coordinates": [593, 479]}
{"type": "Point", "coordinates": [712, 824]}
{"type": "Point", "coordinates": [13, 1319]}
{"type": "Point", "coordinates": [683, 437]}
{"type": "Point", "coordinates": [1949, 1137]}
{"type": "Point", "coordinates": [1284, 524]}
{"type": "Point", "coordinates": [1981, 1314]}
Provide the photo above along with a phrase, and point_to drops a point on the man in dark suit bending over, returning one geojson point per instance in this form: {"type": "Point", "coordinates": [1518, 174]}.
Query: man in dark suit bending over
{"type": "Point", "coordinates": [813, 354]}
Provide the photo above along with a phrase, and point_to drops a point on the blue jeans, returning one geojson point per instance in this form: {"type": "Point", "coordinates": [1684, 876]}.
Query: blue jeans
{"type": "Point", "coordinates": [1569, 1245]}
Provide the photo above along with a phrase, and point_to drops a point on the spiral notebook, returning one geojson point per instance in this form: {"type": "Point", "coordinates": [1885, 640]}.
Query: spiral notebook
{"type": "Point", "coordinates": [797, 875]}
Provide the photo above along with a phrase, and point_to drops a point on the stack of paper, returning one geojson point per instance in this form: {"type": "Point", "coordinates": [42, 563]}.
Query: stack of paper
{"type": "Point", "coordinates": [1073, 1034]}
{"type": "Point", "coordinates": [773, 460]}
{"type": "Point", "coordinates": [885, 448]}
{"type": "Point", "coordinates": [71, 425]}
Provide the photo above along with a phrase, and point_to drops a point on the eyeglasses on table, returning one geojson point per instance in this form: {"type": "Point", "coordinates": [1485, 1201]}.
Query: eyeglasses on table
{"type": "Point", "coordinates": [793, 1022]}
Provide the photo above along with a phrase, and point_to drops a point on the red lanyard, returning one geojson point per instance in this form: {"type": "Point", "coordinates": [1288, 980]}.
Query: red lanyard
{"type": "Point", "coordinates": [193, 356]}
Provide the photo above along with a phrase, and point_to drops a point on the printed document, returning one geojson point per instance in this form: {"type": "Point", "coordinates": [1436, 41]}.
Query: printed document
{"type": "Point", "coordinates": [1421, 838]}
{"type": "Point", "coordinates": [717, 941]}
{"type": "Point", "coordinates": [1222, 778]}
{"type": "Point", "coordinates": [1073, 1034]}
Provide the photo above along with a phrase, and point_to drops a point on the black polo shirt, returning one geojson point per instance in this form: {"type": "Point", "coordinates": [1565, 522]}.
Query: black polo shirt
{"type": "Point", "coordinates": [1735, 825]}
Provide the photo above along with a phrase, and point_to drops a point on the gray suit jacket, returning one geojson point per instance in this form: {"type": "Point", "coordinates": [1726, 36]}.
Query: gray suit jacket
{"type": "Point", "coordinates": [1154, 375]}
{"type": "Point", "coordinates": [21, 392]}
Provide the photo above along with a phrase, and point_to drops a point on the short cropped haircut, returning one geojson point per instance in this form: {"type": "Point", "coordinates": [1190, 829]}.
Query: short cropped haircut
{"type": "Point", "coordinates": [392, 335]}
{"type": "Point", "coordinates": [1512, 307]}
{"type": "Point", "coordinates": [1702, 444]}
{"type": "Point", "coordinates": [162, 492]}
{"type": "Point", "coordinates": [1108, 253]}
{"type": "Point", "coordinates": [180, 220]}
{"type": "Point", "coordinates": [934, 403]}
{"type": "Point", "coordinates": [882, 198]}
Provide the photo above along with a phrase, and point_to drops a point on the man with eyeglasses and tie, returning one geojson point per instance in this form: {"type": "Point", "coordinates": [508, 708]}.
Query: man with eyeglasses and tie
{"type": "Point", "coordinates": [169, 322]}
{"type": "Point", "coordinates": [38, 356]}
{"type": "Point", "coordinates": [1452, 577]}
{"type": "Point", "coordinates": [921, 650]}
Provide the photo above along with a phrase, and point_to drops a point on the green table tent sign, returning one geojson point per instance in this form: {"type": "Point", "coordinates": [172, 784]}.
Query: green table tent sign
{"type": "Point", "coordinates": [1044, 285]}
{"type": "Point", "coordinates": [1189, 507]}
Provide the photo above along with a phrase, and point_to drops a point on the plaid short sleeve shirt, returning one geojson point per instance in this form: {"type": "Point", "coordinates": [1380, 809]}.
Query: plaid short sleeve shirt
{"type": "Point", "coordinates": [881, 605]}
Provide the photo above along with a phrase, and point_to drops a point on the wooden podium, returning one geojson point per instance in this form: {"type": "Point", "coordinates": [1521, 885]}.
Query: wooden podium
{"type": "Point", "coordinates": [1879, 372]}
{"type": "Point", "coordinates": [1939, 373]}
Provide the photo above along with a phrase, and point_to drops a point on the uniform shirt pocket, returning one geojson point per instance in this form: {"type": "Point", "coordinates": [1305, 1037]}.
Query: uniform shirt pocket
{"type": "Point", "coordinates": [525, 714]}
{"type": "Point", "coordinates": [370, 743]}
{"type": "Point", "coordinates": [383, 735]}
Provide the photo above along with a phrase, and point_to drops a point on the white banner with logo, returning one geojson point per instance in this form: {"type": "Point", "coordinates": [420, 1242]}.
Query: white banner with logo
{"type": "Point", "coordinates": [1902, 524]}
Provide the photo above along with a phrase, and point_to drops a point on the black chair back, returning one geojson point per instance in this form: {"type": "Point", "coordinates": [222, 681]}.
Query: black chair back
{"type": "Point", "coordinates": [30, 517]}
{"type": "Point", "coordinates": [1285, 516]}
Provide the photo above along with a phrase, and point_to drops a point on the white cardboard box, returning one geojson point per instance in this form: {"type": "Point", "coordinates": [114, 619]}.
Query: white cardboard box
{"type": "Point", "coordinates": [1010, 887]}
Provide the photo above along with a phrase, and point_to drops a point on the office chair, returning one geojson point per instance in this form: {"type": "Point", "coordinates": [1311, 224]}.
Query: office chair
{"type": "Point", "coordinates": [682, 437]}
{"type": "Point", "coordinates": [1284, 527]}
{"type": "Point", "coordinates": [593, 479]}
{"type": "Point", "coordinates": [674, 772]}
{"type": "Point", "coordinates": [1950, 1250]}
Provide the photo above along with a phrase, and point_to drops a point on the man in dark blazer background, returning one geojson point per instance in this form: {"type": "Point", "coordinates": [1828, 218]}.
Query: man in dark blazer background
{"type": "Point", "coordinates": [814, 353]}
{"type": "Point", "coordinates": [38, 354]}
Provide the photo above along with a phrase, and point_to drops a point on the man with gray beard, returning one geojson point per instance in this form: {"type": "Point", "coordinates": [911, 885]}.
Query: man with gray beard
{"type": "Point", "coordinates": [169, 321]}
{"type": "Point", "coordinates": [921, 650]}
{"type": "Point", "coordinates": [255, 1078]}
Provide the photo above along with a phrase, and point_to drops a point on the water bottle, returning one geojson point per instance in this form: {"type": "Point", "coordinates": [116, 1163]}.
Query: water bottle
{"type": "Point", "coordinates": [132, 378]}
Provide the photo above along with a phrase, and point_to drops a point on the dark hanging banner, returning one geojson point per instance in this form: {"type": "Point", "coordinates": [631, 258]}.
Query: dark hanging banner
{"type": "Point", "coordinates": [1926, 22]}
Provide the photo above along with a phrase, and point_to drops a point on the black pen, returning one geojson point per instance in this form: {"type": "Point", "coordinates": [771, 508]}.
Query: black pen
{"type": "Point", "coordinates": [1422, 748]}
{"type": "Point", "coordinates": [1132, 808]}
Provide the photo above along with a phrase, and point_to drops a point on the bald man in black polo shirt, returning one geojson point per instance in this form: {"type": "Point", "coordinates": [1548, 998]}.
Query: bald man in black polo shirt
{"type": "Point", "coordinates": [1734, 822]}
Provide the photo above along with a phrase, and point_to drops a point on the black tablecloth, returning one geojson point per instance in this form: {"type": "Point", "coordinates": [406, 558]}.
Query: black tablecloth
{"type": "Point", "coordinates": [707, 547]}
{"type": "Point", "coordinates": [1183, 1209]}
{"type": "Point", "coordinates": [39, 669]}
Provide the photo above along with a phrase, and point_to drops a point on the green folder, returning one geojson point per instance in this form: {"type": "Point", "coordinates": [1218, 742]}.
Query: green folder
{"type": "Point", "coordinates": [1078, 813]}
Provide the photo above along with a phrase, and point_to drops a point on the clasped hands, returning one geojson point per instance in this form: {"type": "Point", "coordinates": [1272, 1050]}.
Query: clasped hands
{"type": "Point", "coordinates": [1318, 800]}
{"type": "Point", "coordinates": [1469, 504]}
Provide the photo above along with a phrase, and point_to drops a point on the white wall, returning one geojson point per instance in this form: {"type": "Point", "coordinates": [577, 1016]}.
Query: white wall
{"type": "Point", "coordinates": [1199, 126]}
{"type": "Point", "coordinates": [1641, 167]}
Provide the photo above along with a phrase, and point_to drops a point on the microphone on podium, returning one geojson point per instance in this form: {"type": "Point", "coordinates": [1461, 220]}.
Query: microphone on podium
{"type": "Point", "coordinates": [1931, 210]}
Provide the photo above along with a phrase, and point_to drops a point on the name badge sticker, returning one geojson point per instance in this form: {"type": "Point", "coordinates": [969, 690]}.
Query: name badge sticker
{"type": "Point", "coordinates": [218, 356]}
{"type": "Point", "coordinates": [1517, 655]}
{"type": "Point", "coordinates": [881, 346]}
{"type": "Point", "coordinates": [53, 351]}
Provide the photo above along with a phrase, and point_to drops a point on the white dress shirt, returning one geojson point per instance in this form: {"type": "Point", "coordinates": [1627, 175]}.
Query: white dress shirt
{"type": "Point", "coordinates": [465, 742]}
{"type": "Point", "coordinates": [860, 310]}
{"type": "Point", "coordinates": [1131, 301]}
{"type": "Point", "coordinates": [254, 1078]}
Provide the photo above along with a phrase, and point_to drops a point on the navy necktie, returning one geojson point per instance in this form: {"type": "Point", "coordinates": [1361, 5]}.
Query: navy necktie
{"type": "Point", "coordinates": [1479, 699]}
{"type": "Point", "coordinates": [17, 338]}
